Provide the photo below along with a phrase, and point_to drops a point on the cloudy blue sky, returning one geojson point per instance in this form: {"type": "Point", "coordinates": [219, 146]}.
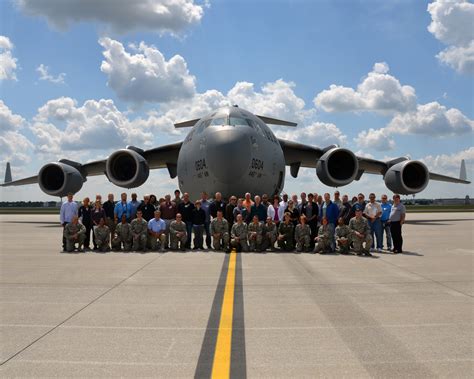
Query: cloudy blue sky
{"type": "Point", "coordinates": [80, 79]}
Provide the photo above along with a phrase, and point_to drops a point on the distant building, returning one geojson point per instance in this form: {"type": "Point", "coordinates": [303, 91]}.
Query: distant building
{"type": "Point", "coordinates": [453, 201]}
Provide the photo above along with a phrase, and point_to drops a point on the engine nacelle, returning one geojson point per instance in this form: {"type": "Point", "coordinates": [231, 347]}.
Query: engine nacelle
{"type": "Point", "coordinates": [407, 177]}
{"type": "Point", "coordinates": [126, 168]}
{"type": "Point", "coordinates": [337, 167]}
{"type": "Point", "coordinates": [58, 179]}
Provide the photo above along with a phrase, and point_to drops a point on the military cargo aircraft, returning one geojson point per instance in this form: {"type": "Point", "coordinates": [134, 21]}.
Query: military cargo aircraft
{"type": "Point", "coordinates": [233, 151]}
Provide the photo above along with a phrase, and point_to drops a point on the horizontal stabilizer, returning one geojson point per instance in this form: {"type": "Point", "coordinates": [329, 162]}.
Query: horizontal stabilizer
{"type": "Point", "coordinates": [186, 124]}
{"type": "Point", "coordinates": [275, 121]}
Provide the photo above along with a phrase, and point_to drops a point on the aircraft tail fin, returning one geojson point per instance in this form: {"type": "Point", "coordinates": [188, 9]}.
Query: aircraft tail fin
{"type": "Point", "coordinates": [8, 173]}
{"type": "Point", "coordinates": [462, 172]}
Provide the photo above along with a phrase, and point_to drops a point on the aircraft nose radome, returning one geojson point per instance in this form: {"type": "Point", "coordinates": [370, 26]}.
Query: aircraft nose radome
{"type": "Point", "coordinates": [228, 154]}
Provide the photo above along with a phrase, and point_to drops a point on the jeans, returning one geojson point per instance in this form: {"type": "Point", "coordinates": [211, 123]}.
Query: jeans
{"type": "Point", "coordinates": [376, 228]}
{"type": "Point", "coordinates": [208, 233]}
{"type": "Point", "coordinates": [198, 233]}
{"type": "Point", "coordinates": [332, 228]}
{"type": "Point", "coordinates": [388, 234]}
{"type": "Point", "coordinates": [189, 231]}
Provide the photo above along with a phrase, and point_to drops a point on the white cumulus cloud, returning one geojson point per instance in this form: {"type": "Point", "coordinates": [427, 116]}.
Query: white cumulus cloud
{"type": "Point", "coordinates": [378, 91]}
{"type": "Point", "coordinates": [375, 139]}
{"type": "Point", "coordinates": [121, 16]}
{"type": "Point", "coordinates": [145, 76]}
{"type": "Point", "coordinates": [452, 24]}
{"type": "Point", "coordinates": [45, 75]}
{"type": "Point", "coordinates": [8, 120]}
{"type": "Point", "coordinates": [8, 63]}
{"type": "Point", "coordinates": [450, 164]}
{"type": "Point", "coordinates": [320, 134]}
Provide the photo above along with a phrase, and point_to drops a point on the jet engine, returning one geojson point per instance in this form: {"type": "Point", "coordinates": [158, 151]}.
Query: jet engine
{"type": "Point", "coordinates": [127, 168]}
{"type": "Point", "coordinates": [407, 177]}
{"type": "Point", "coordinates": [58, 179]}
{"type": "Point", "coordinates": [337, 167]}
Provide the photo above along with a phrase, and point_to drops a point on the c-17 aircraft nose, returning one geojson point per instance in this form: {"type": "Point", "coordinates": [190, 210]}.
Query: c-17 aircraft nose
{"type": "Point", "coordinates": [228, 154]}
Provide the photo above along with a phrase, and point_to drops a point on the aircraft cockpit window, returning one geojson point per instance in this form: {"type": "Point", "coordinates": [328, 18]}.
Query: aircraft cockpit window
{"type": "Point", "coordinates": [233, 121]}
{"type": "Point", "coordinates": [219, 121]}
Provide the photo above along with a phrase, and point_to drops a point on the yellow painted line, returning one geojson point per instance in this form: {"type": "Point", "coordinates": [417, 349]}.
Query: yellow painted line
{"type": "Point", "coordinates": [221, 363]}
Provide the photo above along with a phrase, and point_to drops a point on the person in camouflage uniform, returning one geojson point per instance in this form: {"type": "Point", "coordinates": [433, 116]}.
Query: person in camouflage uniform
{"type": "Point", "coordinates": [220, 232]}
{"type": "Point", "coordinates": [139, 228]}
{"type": "Point", "coordinates": [343, 236]}
{"type": "Point", "coordinates": [360, 233]}
{"type": "Point", "coordinates": [102, 236]}
{"type": "Point", "coordinates": [122, 235]}
{"type": "Point", "coordinates": [269, 235]}
{"type": "Point", "coordinates": [255, 234]}
{"type": "Point", "coordinates": [74, 232]}
{"type": "Point", "coordinates": [285, 234]}
{"type": "Point", "coordinates": [303, 235]}
{"type": "Point", "coordinates": [178, 233]}
{"type": "Point", "coordinates": [324, 238]}
{"type": "Point", "coordinates": [238, 234]}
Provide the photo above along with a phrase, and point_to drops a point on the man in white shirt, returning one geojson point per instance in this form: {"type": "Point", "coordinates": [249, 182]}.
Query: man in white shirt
{"type": "Point", "coordinates": [283, 206]}
{"type": "Point", "coordinates": [373, 212]}
{"type": "Point", "coordinates": [67, 213]}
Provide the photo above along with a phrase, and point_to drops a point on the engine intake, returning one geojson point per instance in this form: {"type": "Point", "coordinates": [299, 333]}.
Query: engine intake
{"type": "Point", "coordinates": [58, 179]}
{"type": "Point", "coordinates": [407, 177]}
{"type": "Point", "coordinates": [126, 168]}
{"type": "Point", "coordinates": [337, 167]}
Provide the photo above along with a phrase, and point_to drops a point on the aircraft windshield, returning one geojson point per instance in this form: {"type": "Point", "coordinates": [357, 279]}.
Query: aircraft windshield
{"type": "Point", "coordinates": [237, 121]}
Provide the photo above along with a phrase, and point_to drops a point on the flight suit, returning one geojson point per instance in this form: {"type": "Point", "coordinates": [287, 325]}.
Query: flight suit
{"type": "Point", "coordinates": [270, 233]}
{"type": "Point", "coordinates": [324, 239]}
{"type": "Point", "coordinates": [221, 228]}
{"type": "Point", "coordinates": [178, 227]}
{"type": "Point", "coordinates": [343, 238]}
{"type": "Point", "coordinates": [139, 234]}
{"type": "Point", "coordinates": [362, 226]}
{"type": "Point", "coordinates": [69, 231]}
{"type": "Point", "coordinates": [102, 237]}
{"type": "Point", "coordinates": [255, 236]}
{"type": "Point", "coordinates": [122, 236]}
{"type": "Point", "coordinates": [286, 230]}
{"type": "Point", "coordinates": [238, 235]}
{"type": "Point", "coordinates": [303, 237]}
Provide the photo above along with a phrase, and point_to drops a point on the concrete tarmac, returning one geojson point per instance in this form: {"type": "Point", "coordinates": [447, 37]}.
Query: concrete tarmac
{"type": "Point", "coordinates": [295, 315]}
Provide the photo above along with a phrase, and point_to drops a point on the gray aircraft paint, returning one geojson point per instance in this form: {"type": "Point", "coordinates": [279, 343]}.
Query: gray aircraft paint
{"type": "Point", "coordinates": [221, 155]}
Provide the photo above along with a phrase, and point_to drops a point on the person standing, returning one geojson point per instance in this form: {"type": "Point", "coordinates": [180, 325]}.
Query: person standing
{"type": "Point", "coordinates": [259, 210]}
{"type": "Point", "coordinates": [330, 211]}
{"type": "Point", "coordinates": [147, 208]}
{"type": "Point", "coordinates": [168, 214]}
{"type": "Point", "coordinates": [85, 215]}
{"type": "Point", "coordinates": [134, 204]}
{"type": "Point", "coordinates": [97, 213]}
{"type": "Point", "coordinates": [247, 203]}
{"type": "Point", "coordinates": [217, 205]}
{"type": "Point", "coordinates": [282, 207]}
{"type": "Point", "coordinates": [229, 211]}
{"type": "Point", "coordinates": [177, 197]}
{"type": "Point", "coordinates": [109, 208]}
{"type": "Point", "coordinates": [122, 207]}
{"type": "Point", "coordinates": [337, 199]}
{"type": "Point", "coordinates": [205, 205]}
{"type": "Point", "coordinates": [186, 210]}
{"type": "Point", "coordinates": [345, 210]}
{"type": "Point", "coordinates": [397, 219]}
{"type": "Point", "coordinates": [67, 212]}
{"type": "Point", "coordinates": [311, 211]}
{"type": "Point", "coordinates": [198, 219]}
{"type": "Point", "coordinates": [385, 218]}
{"type": "Point", "coordinates": [372, 212]}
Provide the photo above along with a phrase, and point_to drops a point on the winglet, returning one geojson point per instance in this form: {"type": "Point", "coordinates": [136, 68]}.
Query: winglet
{"type": "Point", "coordinates": [8, 174]}
{"type": "Point", "coordinates": [462, 172]}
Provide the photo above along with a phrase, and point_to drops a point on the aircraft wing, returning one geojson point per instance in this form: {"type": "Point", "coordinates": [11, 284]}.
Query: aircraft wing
{"type": "Point", "coordinates": [300, 155]}
{"type": "Point", "coordinates": [160, 157]}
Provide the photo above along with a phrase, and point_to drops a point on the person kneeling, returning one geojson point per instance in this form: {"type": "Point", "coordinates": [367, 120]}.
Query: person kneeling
{"type": "Point", "coordinates": [323, 240]}
{"type": "Point", "coordinates": [343, 237]}
{"type": "Point", "coordinates": [303, 235]}
{"type": "Point", "coordinates": [157, 232]}
{"type": "Point", "coordinates": [122, 235]}
{"type": "Point", "coordinates": [238, 234]}
{"type": "Point", "coordinates": [255, 234]}
{"type": "Point", "coordinates": [102, 236]}
{"type": "Point", "coordinates": [220, 232]}
{"type": "Point", "coordinates": [360, 233]}
{"type": "Point", "coordinates": [285, 234]}
{"type": "Point", "coordinates": [74, 232]}
{"type": "Point", "coordinates": [178, 233]}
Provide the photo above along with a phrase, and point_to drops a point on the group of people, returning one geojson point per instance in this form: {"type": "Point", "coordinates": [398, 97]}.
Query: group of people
{"type": "Point", "coordinates": [311, 223]}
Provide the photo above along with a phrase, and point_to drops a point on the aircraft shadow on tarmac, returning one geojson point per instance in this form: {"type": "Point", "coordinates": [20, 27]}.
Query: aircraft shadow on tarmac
{"type": "Point", "coordinates": [437, 222]}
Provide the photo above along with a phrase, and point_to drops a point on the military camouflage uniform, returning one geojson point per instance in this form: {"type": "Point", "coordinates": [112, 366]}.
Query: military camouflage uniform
{"type": "Point", "coordinates": [303, 237]}
{"type": "Point", "coordinates": [178, 227]}
{"type": "Point", "coordinates": [69, 231]}
{"type": "Point", "coordinates": [122, 236]}
{"type": "Point", "coordinates": [255, 236]}
{"type": "Point", "coordinates": [270, 233]}
{"type": "Point", "coordinates": [343, 238]}
{"type": "Point", "coordinates": [286, 230]}
{"type": "Point", "coordinates": [324, 239]}
{"type": "Point", "coordinates": [220, 227]}
{"type": "Point", "coordinates": [139, 234]}
{"type": "Point", "coordinates": [155, 242]}
{"type": "Point", "coordinates": [362, 226]}
{"type": "Point", "coordinates": [102, 237]}
{"type": "Point", "coordinates": [239, 231]}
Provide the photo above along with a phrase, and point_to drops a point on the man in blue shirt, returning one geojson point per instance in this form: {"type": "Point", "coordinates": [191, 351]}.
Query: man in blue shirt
{"type": "Point", "coordinates": [385, 218]}
{"type": "Point", "coordinates": [330, 211]}
{"type": "Point", "coordinates": [67, 213]}
{"type": "Point", "coordinates": [134, 204]}
{"type": "Point", "coordinates": [122, 207]}
{"type": "Point", "coordinates": [157, 232]}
